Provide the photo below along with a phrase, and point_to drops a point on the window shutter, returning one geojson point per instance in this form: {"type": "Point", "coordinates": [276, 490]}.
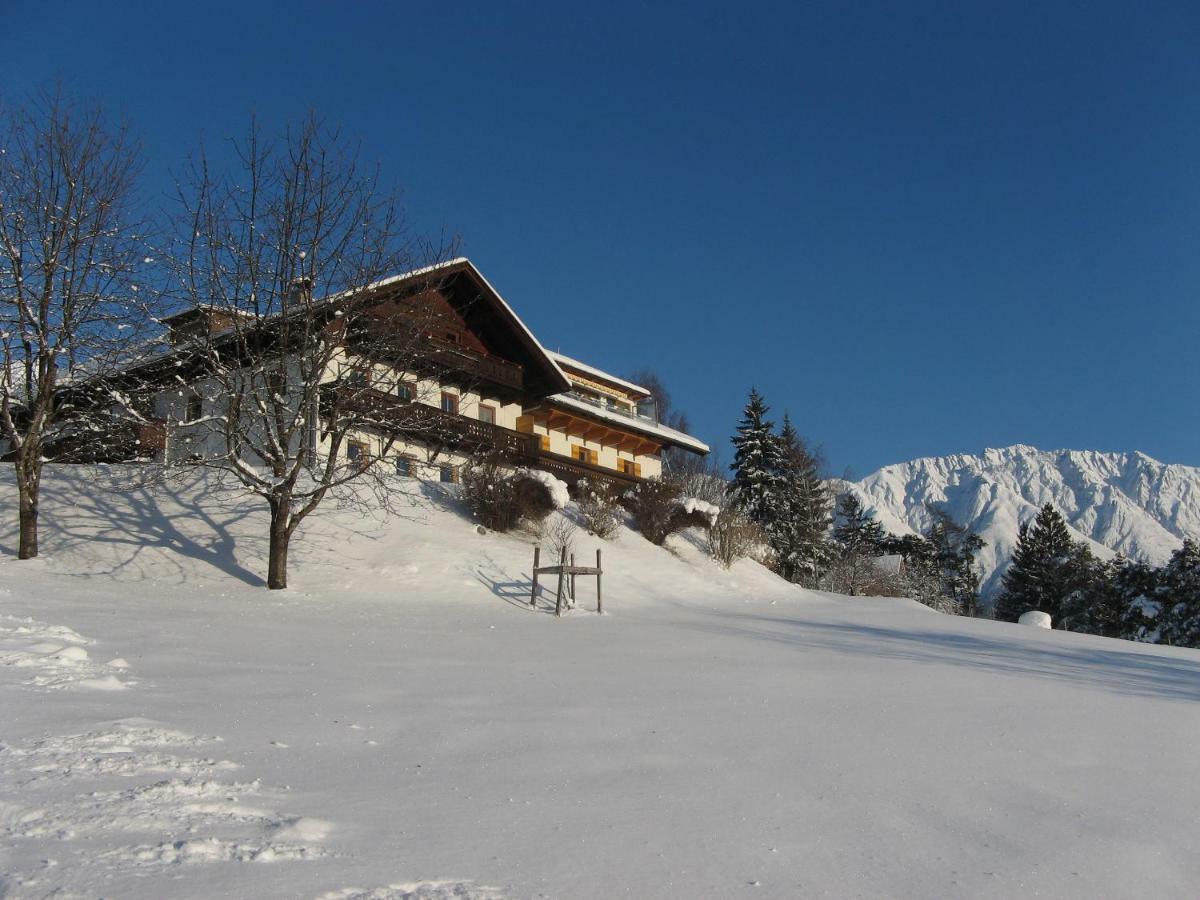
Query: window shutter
{"type": "Point", "coordinates": [637, 470]}
{"type": "Point", "coordinates": [594, 457]}
{"type": "Point", "coordinates": [546, 442]}
{"type": "Point", "coordinates": [525, 424]}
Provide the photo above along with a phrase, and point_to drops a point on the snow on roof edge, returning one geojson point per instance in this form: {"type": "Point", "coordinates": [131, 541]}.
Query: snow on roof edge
{"type": "Point", "coordinates": [669, 434]}
{"type": "Point", "coordinates": [599, 373]}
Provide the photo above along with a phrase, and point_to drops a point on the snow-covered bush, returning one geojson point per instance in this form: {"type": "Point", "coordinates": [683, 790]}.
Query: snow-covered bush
{"type": "Point", "coordinates": [697, 512]}
{"type": "Point", "coordinates": [501, 500]}
{"type": "Point", "coordinates": [655, 509]}
{"type": "Point", "coordinates": [732, 535]}
{"type": "Point", "coordinates": [599, 505]}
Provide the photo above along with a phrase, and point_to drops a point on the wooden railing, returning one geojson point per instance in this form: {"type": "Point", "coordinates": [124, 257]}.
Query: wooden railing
{"type": "Point", "coordinates": [573, 470]}
{"type": "Point", "coordinates": [456, 358]}
{"type": "Point", "coordinates": [429, 424]}
{"type": "Point", "coordinates": [410, 348]}
{"type": "Point", "coordinates": [376, 409]}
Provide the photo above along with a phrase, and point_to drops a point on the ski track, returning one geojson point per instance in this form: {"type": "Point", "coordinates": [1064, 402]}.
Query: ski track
{"type": "Point", "coordinates": [61, 787]}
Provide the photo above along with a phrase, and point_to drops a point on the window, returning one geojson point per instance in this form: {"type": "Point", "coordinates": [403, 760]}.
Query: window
{"type": "Point", "coordinates": [355, 379]}
{"type": "Point", "coordinates": [449, 403]}
{"type": "Point", "coordinates": [629, 467]}
{"type": "Point", "coordinates": [583, 454]}
{"type": "Point", "coordinates": [195, 408]}
{"type": "Point", "coordinates": [487, 413]}
{"type": "Point", "coordinates": [359, 454]}
{"type": "Point", "coordinates": [404, 390]}
{"type": "Point", "coordinates": [448, 474]}
{"type": "Point", "coordinates": [403, 466]}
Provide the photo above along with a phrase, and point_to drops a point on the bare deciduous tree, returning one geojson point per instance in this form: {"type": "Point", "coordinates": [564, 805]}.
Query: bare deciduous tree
{"type": "Point", "coordinates": [295, 397]}
{"type": "Point", "coordinates": [71, 306]}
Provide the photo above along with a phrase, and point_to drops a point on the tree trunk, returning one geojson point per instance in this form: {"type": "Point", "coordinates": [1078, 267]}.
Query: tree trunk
{"type": "Point", "coordinates": [29, 482]}
{"type": "Point", "coordinates": [277, 561]}
{"type": "Point", "coordinates": [28, 500]}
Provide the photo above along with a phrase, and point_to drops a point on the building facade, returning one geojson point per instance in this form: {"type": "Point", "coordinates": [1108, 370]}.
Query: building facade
{"type": "Point", "coordinates": [481, 384]}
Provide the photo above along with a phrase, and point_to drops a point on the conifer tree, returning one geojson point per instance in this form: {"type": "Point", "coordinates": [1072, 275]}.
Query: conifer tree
{"type": "Point", "coordinates": [802, 546]}
{"type": "Point", "coordinates": [857, 540]}
{"type": "Point", "coordinates": [758, 466]}
{"type": "Point", "coordinates": [1048, 569]}
{"type": "Point", "coordinates": [1179, 597]}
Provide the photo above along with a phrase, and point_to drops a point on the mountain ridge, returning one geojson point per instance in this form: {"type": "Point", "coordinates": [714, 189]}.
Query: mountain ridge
{"type": "Point", "coordinates": [1116, 502]}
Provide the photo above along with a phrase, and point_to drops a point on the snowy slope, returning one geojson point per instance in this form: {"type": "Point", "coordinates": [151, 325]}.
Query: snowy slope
{"type": "Point", "coordinates": [401, 725]}
{"type": "Point", "coordinates": [1118, 502]}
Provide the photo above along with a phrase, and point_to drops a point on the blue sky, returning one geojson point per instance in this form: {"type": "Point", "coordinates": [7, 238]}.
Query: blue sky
{"type": "Point", "coordinates": [922, 228]}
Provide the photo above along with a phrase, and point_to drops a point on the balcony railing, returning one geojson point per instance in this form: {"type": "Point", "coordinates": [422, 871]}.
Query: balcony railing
{"type": "Point", "coordinates": [411, 348]}
{"type": "Point", "coordinates": [604, 403]}
{"type": "Point", "coordinates": [572, 471]}
{"type": "Point", "coordinates": [376, 409]}
{"type": "Point", "coordinates": [429, 424]}
{"type": "Point", "coordinates": [456, 358]}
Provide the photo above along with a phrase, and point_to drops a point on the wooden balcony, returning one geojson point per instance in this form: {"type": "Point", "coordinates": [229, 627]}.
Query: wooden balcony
{"type": "Point", "coordinates": [408, 348]}
{"type": "Point", "coordinates": [452, 358]}
{"type": "Point", "coordinates": [429, 425]}
{"type": "Point", "coordinates": [572, 471]}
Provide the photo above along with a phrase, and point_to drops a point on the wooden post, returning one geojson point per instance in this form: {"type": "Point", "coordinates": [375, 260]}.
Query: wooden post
{"type": "Point", "coordinates": [537, 556]}
{"type": "Point", "coordinates": [558, 600]}
{"type": "Point", "coordinates": [572, 581]}
{"type": "Point", "coordinates": [599, 597]}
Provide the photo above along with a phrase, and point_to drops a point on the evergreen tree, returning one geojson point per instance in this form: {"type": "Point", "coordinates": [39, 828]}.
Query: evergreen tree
{"type": "Point", "coordinates": [801, 543]}
{"type": "Point", "coordinates": [856, 532]}
{"type": "Point", "coordinates": [758, 467]}
{"type": "Point", "coordinates": [1179, 597]}
{"type": "Point", "coordinates": [954, 549]}
{"type": "Point", "coordinates": [1138, 584]}
{"type": "Point", "coordinates": [1047, 572]}
{"type": "Point", "coordinates": [1099, 604]}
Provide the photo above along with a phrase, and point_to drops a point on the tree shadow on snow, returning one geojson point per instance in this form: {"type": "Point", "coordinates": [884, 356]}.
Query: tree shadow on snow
{"type": "Point", "coordinates": [1123, 671]}
{"type": "Point", "coordinates": [147, 517]}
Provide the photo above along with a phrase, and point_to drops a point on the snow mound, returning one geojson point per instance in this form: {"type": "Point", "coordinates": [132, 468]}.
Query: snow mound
{"type": "Point", "coordinates": [693, 505]}
{"type": "Point", "coordinates": [559, 495]}
{"type": "Point", "coordinates": [1036, 618]}
{"type": "Point", "coordinates": [53, 657]}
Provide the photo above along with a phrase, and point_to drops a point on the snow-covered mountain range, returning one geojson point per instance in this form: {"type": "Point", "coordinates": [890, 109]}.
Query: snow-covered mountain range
{"type": "Point", "coordinates": [1117, 502]}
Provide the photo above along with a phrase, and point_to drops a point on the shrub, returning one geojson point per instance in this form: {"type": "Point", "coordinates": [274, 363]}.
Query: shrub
{"type": "Point", "coordinates": [501, 501]}
{"type": "Point", "coordinates": [598, 505]}
{"type": "Point", "coordinates": [732, 535]}
{"type": "Point", "coordinates": [560, 534]}
{"type": "Point", "coordinates": [655, 510]}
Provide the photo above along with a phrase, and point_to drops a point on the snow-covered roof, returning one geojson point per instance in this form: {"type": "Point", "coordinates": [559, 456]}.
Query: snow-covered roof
{"type": "Point", "coordinates": [597, 373]}
{"type": "Point", "coordinates": [662, 432]}
{"type": "Point", "coordinates": [463, 261]}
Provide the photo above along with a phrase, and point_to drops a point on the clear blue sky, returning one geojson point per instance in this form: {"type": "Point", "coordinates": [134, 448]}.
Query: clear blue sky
{"type": "Point", "coordinates": [922, 228]}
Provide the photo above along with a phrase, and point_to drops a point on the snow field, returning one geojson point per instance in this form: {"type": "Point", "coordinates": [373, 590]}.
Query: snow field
{"type": "Point", "coordinates": [401, 723]}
